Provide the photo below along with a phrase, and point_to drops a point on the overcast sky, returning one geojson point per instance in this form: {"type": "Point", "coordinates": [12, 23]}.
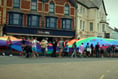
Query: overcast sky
{"type": "Point", "coordinates": [112, 11]}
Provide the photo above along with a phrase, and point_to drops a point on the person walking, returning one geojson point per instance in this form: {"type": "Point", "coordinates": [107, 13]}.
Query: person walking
{"type": "Point", "coordinates": [97, 49]}
{"type": "Point", "coordinates": [88, 50]}
{"type": "Point", "coordinates": [102, 49]}
{"type": "Point", "coordinates": [109, 50]}
{"type": "Point", "coordinates": [81, 49]}
{"type": "Point", "coordinates": [9, 49]}
{"type": "Point", "coordinates": [113, 50]}
{"type": "Point", "coordinates": [28, 48]}
{"type": "Point", "coordinates": [74, 50]}
{"type": "Point", "coordinates": [54, 43]}
{"type": "Point", "coordinates": [66, 49]}
{"type": "Point", "coordinates": [23, 45]}
{"type": "Point", "coordinates": [92, 49]}
{"type": "Point", "coordinates": [34, 46]}
{"type": "Point", "coordinates": [61, 46]}
{"type": "Point", "coordinates": [43, 47]}
{"type": "Point", "coordinates": [46, 49]}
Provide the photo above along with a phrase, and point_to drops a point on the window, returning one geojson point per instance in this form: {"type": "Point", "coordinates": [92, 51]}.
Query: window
{"type": "Point", "coordinates": [91, 26]}
{"type": "Point", "coordinates": [15, 19]}
{"type": "Point", "coordinates": [81, 9]}
{"type": "Point", "coordinates": [66, 10]}
{"type": "Point", "coordinates": [16, 3]}
{"type": "Point", "coordinates": [80, 24]}
{"type": "Point", "coordinates": [33, 21]}
{"type": "Point", "coordinates": [98, 27]}
{"type": "Point", "coordinates": [34, 5]}
{"type": "Point", "coordinates": [103, 28]}
{"type": "Point", "coordinates": [66, 24]}
{"type": "Point", "coordinates": [51, 7]}
{"type": "Point", "coordinates": [83, 25]}
{"type": "Point", "coordinates": [51, 22]}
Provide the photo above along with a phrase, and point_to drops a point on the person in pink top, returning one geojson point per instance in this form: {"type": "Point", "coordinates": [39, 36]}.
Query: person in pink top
{"type": "Point", "coordinates": [81, 49]}
{"type": "Point", "coordinates": [9, 43]}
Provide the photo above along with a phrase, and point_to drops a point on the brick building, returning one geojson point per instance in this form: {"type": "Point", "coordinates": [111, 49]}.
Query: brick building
{"type": "Point", "coordinates": [44, 18]}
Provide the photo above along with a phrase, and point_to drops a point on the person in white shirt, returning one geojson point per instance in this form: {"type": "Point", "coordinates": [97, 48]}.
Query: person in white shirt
{"type": "Point", "coordinates": [46, 42]}
{"type": "Point", "coordinates": [34, 46]}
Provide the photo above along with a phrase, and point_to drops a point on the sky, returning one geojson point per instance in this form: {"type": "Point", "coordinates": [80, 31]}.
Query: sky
{"type": "Point", "coordinates": [112, 11]}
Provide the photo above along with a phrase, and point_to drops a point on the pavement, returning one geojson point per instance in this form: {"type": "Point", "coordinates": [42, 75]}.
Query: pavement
{"type": "Point", "coordinates": [16, 67]}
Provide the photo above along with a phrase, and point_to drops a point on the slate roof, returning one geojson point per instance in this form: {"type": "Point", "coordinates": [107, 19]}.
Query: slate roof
{"type": "Point", "coordinates": [92, 3]}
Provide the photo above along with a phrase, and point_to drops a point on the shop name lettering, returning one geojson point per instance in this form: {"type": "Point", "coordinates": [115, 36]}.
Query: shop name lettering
{"type": "Point", "coordinates": [43, 32]}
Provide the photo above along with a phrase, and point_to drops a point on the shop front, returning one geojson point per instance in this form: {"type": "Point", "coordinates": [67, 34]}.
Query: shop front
{"type": "Point", "coordinates": [37, 32]}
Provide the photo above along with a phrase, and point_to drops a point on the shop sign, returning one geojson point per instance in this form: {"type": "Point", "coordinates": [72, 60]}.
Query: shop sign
{"type": "Point", "coordinates": [44, 32]}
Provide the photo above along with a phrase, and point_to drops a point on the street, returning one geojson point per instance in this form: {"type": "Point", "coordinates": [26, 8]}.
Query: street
{"type": "Point", "coordinates": [58, 68]}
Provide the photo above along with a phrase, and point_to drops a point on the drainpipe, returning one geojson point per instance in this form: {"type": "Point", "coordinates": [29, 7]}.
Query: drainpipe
{"type": "Point", "coordinates": [4, 16]}
{"type": "Point", "coordinates": [43, 10]}
{"type": "Point", "coordinates": [76, 24]}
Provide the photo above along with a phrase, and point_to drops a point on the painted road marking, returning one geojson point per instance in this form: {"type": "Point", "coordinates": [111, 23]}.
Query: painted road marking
{"type": "Point", "coordinates": [108, 70]}
{"type": "Point", "coordinates": [101, 77]}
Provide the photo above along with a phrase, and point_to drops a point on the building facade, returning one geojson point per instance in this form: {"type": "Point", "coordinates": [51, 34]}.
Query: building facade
{"type": "Point", "coordinates": [44, 18]}
{"type": "Point", "coordinates": [91, 18]}
{"type": "Point", "coordinates": [111, 33]}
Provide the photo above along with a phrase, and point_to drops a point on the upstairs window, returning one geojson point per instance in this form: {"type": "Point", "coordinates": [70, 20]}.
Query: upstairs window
{"type": "Point", "coordinates": [80, 24]}
{"type": "Point", "coordinates": [33, 21]}
{"type": "Point", "coordinates": [66, 10]}
{"type": "Point", "coordinates": [83, 25]}
{"type": "Point", "coordinates": [98, 27]}
{"type": "Point", "coordinates": [103, 27]}
{"type": "Point", "coordinates": [66, 24]}
{"type": "Point", "coordinates": [91, 26]}
{"type": "Point", "coordinates": [51, 7]}
{"type": "Point", "coordinates": [34, 5]}
{"type": "Point", "coordinates": [51, 22]}
{"type": "Point", "coordinates": [15, 19]}
{"type": "Point", "coordinates": [16, 3]}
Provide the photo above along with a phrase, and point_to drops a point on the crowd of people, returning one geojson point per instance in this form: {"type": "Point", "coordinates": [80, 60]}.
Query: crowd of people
{"type": "Point", "coordinates": [97, 50]}
{"type": "Point", "coordinates": [29, 48]}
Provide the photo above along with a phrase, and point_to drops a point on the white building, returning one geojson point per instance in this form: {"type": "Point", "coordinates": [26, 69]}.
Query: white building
{"type": "Point", "coordinates": [91, 18]}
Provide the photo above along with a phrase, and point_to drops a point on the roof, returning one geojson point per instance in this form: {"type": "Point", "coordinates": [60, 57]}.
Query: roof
{"type": "Point", "coordinates": [92, 4]}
